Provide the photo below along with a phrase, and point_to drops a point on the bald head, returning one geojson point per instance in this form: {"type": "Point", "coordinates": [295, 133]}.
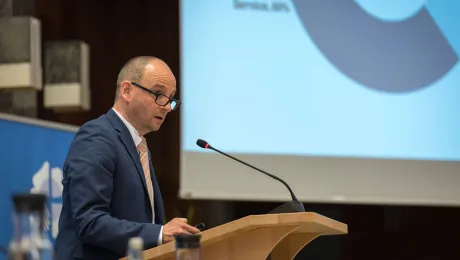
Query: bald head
{"type": "Point", "coordinates": [145, 92]}
{"type": "Point", "coordinates": [133, 70]}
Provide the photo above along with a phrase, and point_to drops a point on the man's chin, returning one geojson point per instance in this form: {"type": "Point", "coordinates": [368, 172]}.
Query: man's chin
{"type": "Point", "coordinates": [155, 127]}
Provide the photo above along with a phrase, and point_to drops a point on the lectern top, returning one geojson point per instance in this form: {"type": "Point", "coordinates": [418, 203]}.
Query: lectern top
{"type": "Point", "coordinates": [307, 222]}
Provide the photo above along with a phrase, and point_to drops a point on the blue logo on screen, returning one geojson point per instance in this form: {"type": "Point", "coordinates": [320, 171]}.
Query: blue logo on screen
{"type": "Point", "coordinates": [383, 45]}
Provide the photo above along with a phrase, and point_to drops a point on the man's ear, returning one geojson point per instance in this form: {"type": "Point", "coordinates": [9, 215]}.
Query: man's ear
{"type": "Point", "coordinates": [126, 90]}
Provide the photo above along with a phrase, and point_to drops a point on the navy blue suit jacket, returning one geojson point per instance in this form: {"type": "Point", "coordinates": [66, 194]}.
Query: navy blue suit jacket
{"type": "Point", "coordinates": [105, 199]}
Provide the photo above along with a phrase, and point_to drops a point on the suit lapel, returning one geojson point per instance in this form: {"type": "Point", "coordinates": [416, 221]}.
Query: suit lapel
{"type": "Point", "coordinates": [128, 142]}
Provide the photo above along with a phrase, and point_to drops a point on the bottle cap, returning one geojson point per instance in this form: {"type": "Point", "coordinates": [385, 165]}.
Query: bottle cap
{"type": "Point", "coordinates": [136, 243]}
{"type": "Point", "coordinates": [29, 202]}
{"type": "Point", "coordinates": [187, 240]}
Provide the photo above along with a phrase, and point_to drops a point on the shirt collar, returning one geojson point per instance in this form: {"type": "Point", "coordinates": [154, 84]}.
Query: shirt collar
{"type": "Point", "coordinates": [134, 133]}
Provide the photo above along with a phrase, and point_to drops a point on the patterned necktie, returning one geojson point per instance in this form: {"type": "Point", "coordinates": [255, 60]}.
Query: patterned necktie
{"type": "Point", "coordinates": [143, 153]}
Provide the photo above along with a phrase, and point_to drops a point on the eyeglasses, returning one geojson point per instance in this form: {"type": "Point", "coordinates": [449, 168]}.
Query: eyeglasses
{"type": "Point", "coordinates": [160, 99]}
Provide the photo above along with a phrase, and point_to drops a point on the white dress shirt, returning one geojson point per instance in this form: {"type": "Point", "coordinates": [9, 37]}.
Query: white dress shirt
{"type": "Point", "coordinates": [137, 140]}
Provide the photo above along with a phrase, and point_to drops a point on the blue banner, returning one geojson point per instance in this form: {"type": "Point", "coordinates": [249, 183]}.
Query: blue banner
{"type": "Point", "coordinates": [32, 153]}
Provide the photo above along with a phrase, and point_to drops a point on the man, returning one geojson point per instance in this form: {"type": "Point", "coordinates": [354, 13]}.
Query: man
{"type": "Point", "coordinates": [110, 191]}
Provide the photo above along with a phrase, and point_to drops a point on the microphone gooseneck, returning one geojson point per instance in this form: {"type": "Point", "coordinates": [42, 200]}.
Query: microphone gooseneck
{"type": "Point", "coordinates": [295, 206]}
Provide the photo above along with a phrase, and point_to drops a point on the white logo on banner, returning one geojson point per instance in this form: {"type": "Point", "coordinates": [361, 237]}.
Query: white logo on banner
{"type": "Point", "coordinates": [49, 182]}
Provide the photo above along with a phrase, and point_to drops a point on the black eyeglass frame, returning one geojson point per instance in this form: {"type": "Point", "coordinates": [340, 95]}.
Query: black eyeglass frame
{"type": "Point", "coordinates": [156, 94]}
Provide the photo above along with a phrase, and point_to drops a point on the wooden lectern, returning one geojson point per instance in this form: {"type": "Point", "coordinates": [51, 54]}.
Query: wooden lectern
{"type": "Point", "coordinates": [257, 236]}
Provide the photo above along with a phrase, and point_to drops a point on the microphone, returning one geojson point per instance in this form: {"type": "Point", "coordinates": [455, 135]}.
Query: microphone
{"type": "Point", "coordinates": [288, 207]}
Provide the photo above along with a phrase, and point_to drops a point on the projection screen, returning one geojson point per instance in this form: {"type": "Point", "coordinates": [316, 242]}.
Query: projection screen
{"type": "Point", "coordinates": [347, 101]}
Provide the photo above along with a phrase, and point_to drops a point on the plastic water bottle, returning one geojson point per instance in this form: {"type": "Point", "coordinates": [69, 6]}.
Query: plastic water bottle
{"type": "Point", "coordinates": [29, 241]}
{"type": "Point", "coordinates": [136, 248]}
{"type": "Point", "coordinates": [188, 247]}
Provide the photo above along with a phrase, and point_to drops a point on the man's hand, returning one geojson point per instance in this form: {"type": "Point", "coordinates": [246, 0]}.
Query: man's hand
{"type": "Point", "coordinates": [177, 226]}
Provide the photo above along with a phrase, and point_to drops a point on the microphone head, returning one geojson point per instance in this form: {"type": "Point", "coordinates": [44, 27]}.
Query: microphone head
{"type": "Point", "coordinates": [202, 143]}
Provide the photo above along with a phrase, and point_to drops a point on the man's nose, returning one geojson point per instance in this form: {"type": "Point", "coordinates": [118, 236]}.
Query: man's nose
{"type": "Point", "coordinates": [167, 107]}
